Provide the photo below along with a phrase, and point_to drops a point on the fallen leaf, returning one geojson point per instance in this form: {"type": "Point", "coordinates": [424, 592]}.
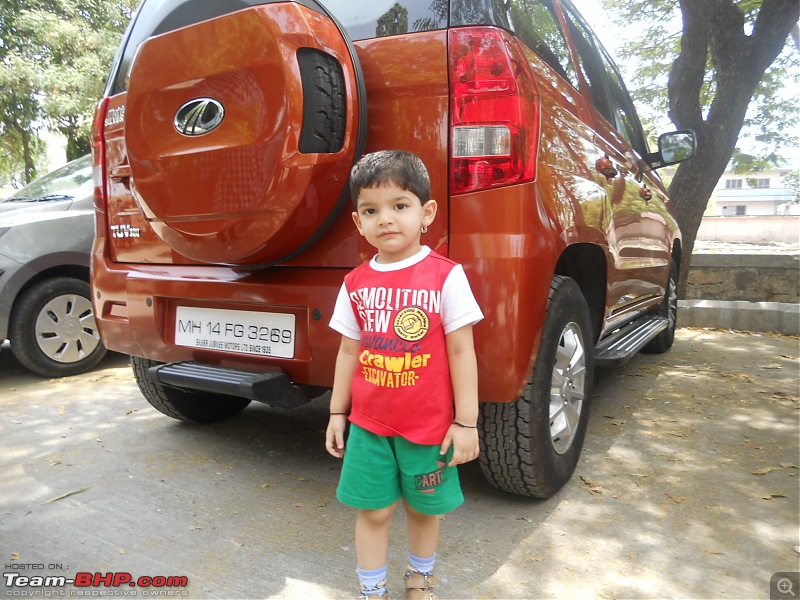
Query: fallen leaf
{"type": "Point", "coordinates": [67, 495]}
{"type": "Point", "coordinates": [776, 495]}
{"type": "Point", "coordinates": [752, 445]}
{"type": "Point", "coordinates": [591, 487]}
{"type": "Point", "coordinates": [786, 465]}
{"type": "Point", "coordinates": [675, 499]}
{"type": "Point", "coordinates": [237, 544]}
{"type": "Point", "coordinates": [535, 558]}
{"type": "Point", "coordinates": [15, 556]}
{"type": "Point", "coordinates": [763, 471]}
{"type": "Point", "coordinates": [715, 552]}
{"type": "Point", "coordinates": [62, 409]}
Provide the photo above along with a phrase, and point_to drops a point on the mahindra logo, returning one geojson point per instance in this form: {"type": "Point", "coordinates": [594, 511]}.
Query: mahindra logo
{"type": "Point", "coordinates": [199, 116]}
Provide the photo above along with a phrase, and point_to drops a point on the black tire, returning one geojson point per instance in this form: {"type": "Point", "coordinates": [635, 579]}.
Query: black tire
{"type": "Point", "coordinates": [669, 309]}
{"type": "Point", "coordinates": [324, 102]}
{"type": "Point", "coordinates": [184, 405]}
{"type": "Point", "coordinates": [524, 447]}
{"type": "Point", "coordinates": [53, 330]}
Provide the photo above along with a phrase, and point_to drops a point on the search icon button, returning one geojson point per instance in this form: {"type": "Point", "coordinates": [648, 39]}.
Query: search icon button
{"type": "Point", "coordinates": [784, 585]}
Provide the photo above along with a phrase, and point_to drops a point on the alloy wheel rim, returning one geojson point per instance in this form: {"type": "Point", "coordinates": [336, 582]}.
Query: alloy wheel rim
{"type": "Point", "coordinates": [672, 310]}
{"type": "Point", "coordinates": [567, 388]}
{"type": "Point", "coordinates": [65, 329]}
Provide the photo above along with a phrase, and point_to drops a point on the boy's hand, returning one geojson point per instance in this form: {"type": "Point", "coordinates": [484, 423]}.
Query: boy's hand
{"type": "Point", "coordinates": [465, 444]}
{"type": "Point", "coordinates": [334, 436]}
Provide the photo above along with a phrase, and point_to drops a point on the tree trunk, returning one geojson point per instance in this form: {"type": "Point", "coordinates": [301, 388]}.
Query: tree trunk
{"type": "Point", "coordinates": [25, 135]}
{"type": "Point", "coordinates": [715, 28]}
{"type": "Point", "coordinates": [77, 146]}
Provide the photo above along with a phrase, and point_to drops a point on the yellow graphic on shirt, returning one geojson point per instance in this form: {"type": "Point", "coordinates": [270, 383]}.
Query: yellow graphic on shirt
{"type": "Point", "coordinates": [411, 324]}
{"type": "Point", "coordinates": [392, 371]}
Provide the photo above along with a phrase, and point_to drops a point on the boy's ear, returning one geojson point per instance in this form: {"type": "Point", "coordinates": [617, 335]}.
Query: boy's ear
{"type": "Point", "coordinates": [429, 212]}
{"type": "Point", "coordinates": [357, 221]}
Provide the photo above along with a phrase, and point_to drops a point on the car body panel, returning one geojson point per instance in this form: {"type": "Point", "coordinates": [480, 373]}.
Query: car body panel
{"type": "Point", "coordinates": [510, 240]}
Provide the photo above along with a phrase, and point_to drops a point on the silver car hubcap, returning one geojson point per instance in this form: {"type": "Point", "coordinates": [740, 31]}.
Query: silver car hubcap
{"type": "Point", "coordinates": [567, 388]}
{"type": "Point", "coordinates": [65, 329]}
{"type": "Point", "coordinates": [672, 296]}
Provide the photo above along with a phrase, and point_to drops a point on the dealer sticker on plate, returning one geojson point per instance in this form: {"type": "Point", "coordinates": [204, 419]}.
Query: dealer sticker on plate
{"type": "Point", "coordinates": [246, 332]}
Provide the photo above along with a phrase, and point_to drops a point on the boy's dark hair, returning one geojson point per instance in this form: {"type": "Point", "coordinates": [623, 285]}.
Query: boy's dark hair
{"type": "Point", "coordinates": [399, 167]}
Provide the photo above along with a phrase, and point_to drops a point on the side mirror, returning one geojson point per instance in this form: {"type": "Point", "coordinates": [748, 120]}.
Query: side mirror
{"type": "Point", "coordinates": [673, 147]}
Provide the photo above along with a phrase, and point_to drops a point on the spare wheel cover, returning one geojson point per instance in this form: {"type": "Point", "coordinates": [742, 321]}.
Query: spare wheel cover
{"type": "Point", "coordinates": [231, 162]}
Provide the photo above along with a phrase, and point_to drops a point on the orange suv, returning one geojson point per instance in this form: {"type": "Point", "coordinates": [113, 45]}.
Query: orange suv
{"type": "Point", "coordinates": [222, 148]}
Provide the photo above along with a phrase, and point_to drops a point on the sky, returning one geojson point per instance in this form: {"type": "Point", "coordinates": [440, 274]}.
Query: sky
{"type": "Point", "coordinates": [603, 26]}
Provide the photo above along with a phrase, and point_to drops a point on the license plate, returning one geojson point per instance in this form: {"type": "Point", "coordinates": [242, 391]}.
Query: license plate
{"type": "Point", "coordinates": [242, 331]}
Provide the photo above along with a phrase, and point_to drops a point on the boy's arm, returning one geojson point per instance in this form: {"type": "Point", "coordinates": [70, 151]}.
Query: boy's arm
{"type": "Point", "coordinates": [346, 363]}
{"type": "Point", "coordinates": [464, 376]}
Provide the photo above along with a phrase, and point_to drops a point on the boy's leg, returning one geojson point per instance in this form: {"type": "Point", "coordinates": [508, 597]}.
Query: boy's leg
{"type": "Point", "coordinates": [372, 550]}
{"type": "Point", "coordinates": [372, 537]}
{"type": "Point", "coordinates": [423, 532]}
{"type": "Point", "coordinates": [423, 536]}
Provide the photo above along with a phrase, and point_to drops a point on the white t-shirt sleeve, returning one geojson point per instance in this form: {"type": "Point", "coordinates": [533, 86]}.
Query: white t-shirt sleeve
{"type": "Point", "coordinates": [459, 307]}
{"type": "Point", "coordinates": [344, 319]}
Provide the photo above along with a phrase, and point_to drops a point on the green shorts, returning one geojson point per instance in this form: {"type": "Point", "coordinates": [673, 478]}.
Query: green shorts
{"type": "Point", "coordinates": [380, 470]}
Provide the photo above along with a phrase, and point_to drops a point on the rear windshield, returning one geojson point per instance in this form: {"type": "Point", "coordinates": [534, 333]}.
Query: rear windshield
{"type": "Point", "coordinates": [366, 19]}
{"type": "Point", "coordinates": [363, 19]}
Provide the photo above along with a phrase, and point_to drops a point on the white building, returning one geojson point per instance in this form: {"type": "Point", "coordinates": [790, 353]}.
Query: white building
{"type": "Point", "coordinates": [754, 194]}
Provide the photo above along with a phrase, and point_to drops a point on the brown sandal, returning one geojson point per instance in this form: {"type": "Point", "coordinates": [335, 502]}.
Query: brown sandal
{"type": "Point", "coordinates": [419, 586]}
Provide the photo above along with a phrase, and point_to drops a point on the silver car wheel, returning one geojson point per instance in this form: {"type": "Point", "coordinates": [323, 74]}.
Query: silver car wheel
{"type": "Point", "coordinates": [672, 299]}
{"type": "Point", "coordinates": [567, 388]}
{"type": "Point", "coordinates": [65, 329]}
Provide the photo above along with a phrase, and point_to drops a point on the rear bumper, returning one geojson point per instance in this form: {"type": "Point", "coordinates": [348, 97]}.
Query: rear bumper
{"type": "Point", "coordinates": [135, 308]}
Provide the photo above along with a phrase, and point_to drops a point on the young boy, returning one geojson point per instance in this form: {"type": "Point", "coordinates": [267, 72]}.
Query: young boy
{"type": "Point", "coordinates": [406, 374]}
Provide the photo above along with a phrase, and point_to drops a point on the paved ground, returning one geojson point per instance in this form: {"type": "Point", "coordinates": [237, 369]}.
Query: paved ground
{"type": "Point", "coordinates": [687, 488]}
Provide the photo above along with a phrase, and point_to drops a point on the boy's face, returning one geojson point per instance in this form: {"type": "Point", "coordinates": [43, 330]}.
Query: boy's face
{"type": "Point", "coordinates": [391, 219]}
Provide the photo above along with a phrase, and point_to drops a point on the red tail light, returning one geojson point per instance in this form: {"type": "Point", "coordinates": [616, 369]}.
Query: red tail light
{"type": "Point", "coordinates": [494, 109]}
{"type": "Point", "coordinates": [99, 155]}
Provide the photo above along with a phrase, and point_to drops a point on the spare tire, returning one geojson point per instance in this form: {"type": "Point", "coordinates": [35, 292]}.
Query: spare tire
{"type": "Point", "coordinates": [241, 131]}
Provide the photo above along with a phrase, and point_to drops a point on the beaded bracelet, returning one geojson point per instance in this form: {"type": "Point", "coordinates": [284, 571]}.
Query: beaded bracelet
{"type": "Point", "coordinates": [465, 426]}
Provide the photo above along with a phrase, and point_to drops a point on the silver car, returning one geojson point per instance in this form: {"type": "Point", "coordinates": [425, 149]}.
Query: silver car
{"type": "Point", "coordinates": [46, 236]}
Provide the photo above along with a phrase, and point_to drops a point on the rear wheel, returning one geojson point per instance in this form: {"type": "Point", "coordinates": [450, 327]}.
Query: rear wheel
{"type": "Point", "coordinates": [531, 446]}
{"type": "Point", "coordinates": [184, 405]}
{"type": "Point", "coordinates": [669, 309]}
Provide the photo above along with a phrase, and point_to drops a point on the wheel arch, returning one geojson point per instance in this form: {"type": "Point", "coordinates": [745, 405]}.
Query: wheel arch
{"type": "Point", "coordinates": [586, 265]}
{"type": "Point", "coordinates": [677, 254]}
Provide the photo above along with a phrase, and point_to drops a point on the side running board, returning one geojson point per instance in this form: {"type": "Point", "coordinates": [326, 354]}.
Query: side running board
{"type": "Point", "coordinates": [621, 345]}
{"type": "Point", "coordinates": [273, 388]}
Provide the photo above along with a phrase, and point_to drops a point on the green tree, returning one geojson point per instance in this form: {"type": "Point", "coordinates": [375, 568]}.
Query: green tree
{"type": "Point", "coordinates": [728, 67]}
{"type": "Point", "coordinates": [54, 58]}
{"type": "Point", "coordinates": [792, 181]}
